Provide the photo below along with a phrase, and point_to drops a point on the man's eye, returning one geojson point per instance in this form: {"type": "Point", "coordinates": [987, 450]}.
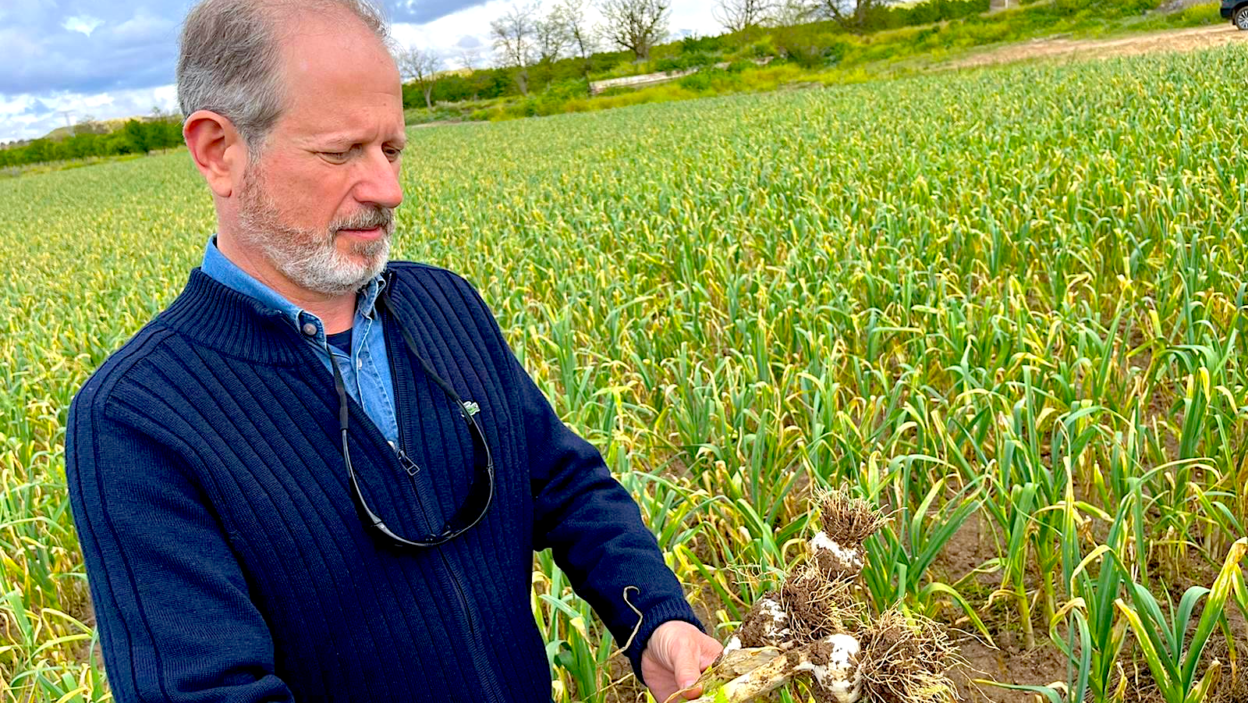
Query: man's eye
{"type": "Point", "coordinates": [336, 156]}
{"type": "Point", "coordinates": [394, 153]}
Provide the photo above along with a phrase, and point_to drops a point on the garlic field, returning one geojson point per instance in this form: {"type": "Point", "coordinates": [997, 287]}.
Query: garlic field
{"type": "Point", "coordinates": [1004, 307]}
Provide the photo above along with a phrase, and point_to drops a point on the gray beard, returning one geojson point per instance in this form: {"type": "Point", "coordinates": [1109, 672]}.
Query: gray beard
{"type": "Point", "coordinates": [308, 257]}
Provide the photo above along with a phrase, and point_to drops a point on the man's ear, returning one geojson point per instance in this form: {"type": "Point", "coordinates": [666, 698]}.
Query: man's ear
{"type": "Point", "coordinates": [217, 150]}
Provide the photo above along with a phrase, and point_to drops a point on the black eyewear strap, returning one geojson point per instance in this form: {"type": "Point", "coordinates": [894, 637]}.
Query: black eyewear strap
{"type": "Point", "coordinates": [480, 493]}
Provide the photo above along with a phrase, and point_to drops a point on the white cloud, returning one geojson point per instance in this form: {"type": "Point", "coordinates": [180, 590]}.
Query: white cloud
{"type": "Point", "coordinates": [144, 25]}
{"type": "Point", "coordinates": [694, 18]}
{"type": "Point", "coordinates": [82, 23]}
{"type": "Point", "coordinates": [29, 117]}
{"type": "Point", "coordinates": [444, 34]}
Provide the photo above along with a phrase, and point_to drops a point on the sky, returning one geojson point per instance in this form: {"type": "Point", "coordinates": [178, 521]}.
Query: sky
{"type": "Point", "coordinates": [68, 60]}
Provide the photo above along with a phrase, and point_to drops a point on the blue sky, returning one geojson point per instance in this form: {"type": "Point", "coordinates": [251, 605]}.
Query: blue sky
{"type": "Point", "coordinates": [107, 59]}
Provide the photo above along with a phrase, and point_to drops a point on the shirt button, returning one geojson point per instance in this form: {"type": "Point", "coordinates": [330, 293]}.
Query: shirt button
{"type": "Point", "coordinates": [309, 329]}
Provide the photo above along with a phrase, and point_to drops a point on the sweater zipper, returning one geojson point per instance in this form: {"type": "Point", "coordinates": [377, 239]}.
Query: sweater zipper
{"type": "Point", "coordinates": [480, 664]}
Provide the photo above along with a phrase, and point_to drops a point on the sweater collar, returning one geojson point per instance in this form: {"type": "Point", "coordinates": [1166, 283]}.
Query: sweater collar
{"type": "Point", "coordinates": [228, 321]}
{"type": "Point", "coordinates": [220, 268]}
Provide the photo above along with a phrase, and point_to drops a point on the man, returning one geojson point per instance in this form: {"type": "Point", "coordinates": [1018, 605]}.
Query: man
{"type": "Point", "coordinates": [317, 476]}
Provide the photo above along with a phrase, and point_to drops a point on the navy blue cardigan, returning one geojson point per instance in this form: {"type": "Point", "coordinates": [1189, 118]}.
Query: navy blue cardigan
{"type": "Point", "coordinates": [226, 560]}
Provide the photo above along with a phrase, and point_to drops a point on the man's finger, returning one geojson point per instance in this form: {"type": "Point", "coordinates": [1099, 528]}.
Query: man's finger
{"type": "Point", "coordinates": [708, 658]}
{"type": "Point", "coordinates": [685, 665]}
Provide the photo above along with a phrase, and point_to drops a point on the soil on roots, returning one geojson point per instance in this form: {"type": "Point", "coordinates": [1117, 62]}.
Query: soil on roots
{"type": "Point", "coordinates": [818, 607]}
{"type": "Point", "coordinates": [901, 657]}
{"type": "Point", "coordinates": [760, 627]}
{"type": "Point", "coordinates": [846, 520]}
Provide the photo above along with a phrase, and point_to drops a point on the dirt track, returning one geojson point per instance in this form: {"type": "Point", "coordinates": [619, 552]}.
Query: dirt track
{"type": "Point", "coordinates": [1175, 40]}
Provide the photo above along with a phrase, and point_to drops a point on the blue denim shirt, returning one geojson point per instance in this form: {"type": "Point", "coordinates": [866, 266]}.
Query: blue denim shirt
{"type": "Point", "coordinates": [366, 371]}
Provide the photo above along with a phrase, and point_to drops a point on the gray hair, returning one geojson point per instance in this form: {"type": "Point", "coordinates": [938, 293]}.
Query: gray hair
{"type": "Point", "coordinates": [229, 58]}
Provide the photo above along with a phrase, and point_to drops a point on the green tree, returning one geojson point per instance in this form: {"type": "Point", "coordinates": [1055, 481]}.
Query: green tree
{"type": "Point", "coordinates": [138, 135]}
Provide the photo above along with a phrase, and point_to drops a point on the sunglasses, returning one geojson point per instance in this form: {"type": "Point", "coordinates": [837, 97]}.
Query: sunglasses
{"type": "Point", "coordinates": [480, 493]}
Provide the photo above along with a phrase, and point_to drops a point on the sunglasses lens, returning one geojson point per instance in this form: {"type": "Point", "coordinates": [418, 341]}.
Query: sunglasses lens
{"type": "Point", "coordinates": [481, 493]}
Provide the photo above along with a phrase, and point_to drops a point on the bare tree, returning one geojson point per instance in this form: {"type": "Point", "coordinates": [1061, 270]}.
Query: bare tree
{"type": "Point", "coordinates": [89, 125]}
{"type": "Point", "coordinates": [551, 36]}
{"type": "Point", "coordinates": [470, 57]}
{"type": "Point", "coordinates": [851, 15]}
{"type": "Point", "coordinates": [583, 35]}
{"type": "Point", "coordinates": [636, 25]}
{"type": "Point", "coordinates": [421, 66]}
{"type": "Point", "coordinates": [513, 35]}
{"type": "Point", "coordinates": [790, 13]}
{"type": "Point", "coordinates": [742, 15]}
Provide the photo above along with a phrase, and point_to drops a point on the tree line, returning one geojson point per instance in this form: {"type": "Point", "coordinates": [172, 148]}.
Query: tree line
{"type": "Point", "coordinates": [535, 48]}
{"type": "Point", "coordinates": [533, 45]}
{"type": "Point", "coordinates": [90, 138]}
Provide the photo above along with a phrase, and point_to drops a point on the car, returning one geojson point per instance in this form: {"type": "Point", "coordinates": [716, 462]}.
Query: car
{"type": "Point", "coordinates": [1237, 12]}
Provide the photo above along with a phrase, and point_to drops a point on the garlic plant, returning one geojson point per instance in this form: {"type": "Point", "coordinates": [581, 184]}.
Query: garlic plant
{"type": "Point", "coordinates": [814, 627]}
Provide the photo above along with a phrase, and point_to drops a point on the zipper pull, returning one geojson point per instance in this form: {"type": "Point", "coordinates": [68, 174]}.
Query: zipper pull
{"type": "Point", "coordinates": [411, 467]}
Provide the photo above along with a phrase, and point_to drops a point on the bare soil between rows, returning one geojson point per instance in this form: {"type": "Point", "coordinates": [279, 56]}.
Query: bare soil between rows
{"type": "Point", "coordinates": [1013, 663]}
{"type": "Point", "coordinates": [1065, 48]}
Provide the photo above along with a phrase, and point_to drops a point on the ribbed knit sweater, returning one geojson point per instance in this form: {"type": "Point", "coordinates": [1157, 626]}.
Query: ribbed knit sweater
{"type": "Point", "coordinates": [226, 561]}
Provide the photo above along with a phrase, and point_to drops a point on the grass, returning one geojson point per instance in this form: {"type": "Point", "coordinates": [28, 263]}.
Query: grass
{"type": "Point", "coordinates": [821, 54]}
{"type": "Point", "coordinates": [66, 165]}
{"type": "Point", "coordinates": [1023, 287]}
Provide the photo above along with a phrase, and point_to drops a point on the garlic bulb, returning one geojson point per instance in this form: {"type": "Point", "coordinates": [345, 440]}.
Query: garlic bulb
{"type": "Point", "coordinates": [833, 662]}
{"type": "Point", "coordinates": [835, 560]}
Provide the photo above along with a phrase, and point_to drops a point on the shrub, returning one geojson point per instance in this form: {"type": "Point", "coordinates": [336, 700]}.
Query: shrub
{"type": "Point", "coordinates": [699, 82]}
{"type": "Point", "coordinates": [809, 47]}
{"type": "Point", "coordinates": [683, 61]}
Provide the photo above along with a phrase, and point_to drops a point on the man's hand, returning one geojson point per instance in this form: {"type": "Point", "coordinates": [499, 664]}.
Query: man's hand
{"type": "Point", "coordinates": [675, 656]}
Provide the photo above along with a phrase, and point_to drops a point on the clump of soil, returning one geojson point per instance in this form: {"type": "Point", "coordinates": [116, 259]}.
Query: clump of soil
{"type": "Point", "coordinates": [765, 625]}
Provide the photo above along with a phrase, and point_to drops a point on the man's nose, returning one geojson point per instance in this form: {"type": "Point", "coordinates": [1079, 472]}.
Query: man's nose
{"type": "Point", "coordinates": [379, 183]}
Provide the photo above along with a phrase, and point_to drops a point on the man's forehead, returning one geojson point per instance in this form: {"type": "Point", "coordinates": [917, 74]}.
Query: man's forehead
{"type": "Point", "coordinates": [357, 99]}
{"type": "Point", "coordinates": [338, 68]}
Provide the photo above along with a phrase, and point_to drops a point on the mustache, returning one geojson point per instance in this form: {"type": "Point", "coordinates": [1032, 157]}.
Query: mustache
{"type": "Point", "coordinates": [369, 218]}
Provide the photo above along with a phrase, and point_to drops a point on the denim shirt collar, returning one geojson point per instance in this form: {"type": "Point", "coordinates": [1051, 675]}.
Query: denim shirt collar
{"type": "Point", "coordinates": [228, 273]}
